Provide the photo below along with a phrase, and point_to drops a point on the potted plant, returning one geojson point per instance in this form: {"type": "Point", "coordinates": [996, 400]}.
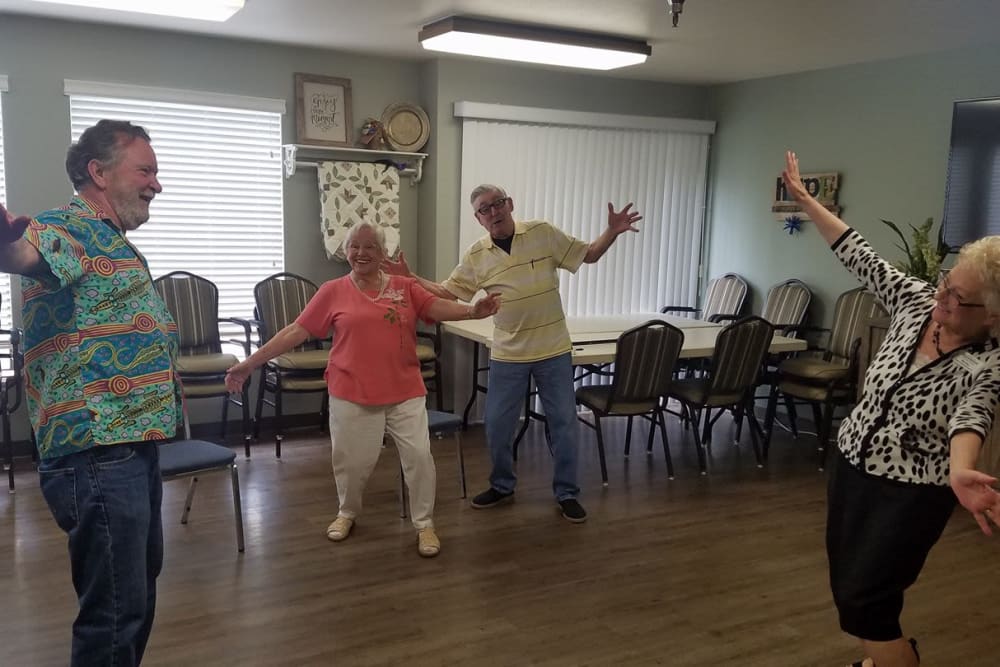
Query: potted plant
{"type": "Point", "coordinates": [924, 257]}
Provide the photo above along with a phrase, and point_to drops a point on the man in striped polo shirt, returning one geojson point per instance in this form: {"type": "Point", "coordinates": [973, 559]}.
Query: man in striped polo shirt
{"type": "Point", "coordinates": [530, 340]}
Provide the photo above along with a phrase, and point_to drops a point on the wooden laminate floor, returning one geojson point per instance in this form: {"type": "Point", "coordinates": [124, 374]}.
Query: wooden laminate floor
{"type": "Point", "coordinates": [724, 570]}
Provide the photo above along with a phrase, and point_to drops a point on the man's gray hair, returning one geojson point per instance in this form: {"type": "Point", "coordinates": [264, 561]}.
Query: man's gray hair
{"type": "Point", "coordinates": [104, 142]}
{"type": "Point", "coordinates": [483, 189]}
{"type": "Point", "coordinates": [376, 230]}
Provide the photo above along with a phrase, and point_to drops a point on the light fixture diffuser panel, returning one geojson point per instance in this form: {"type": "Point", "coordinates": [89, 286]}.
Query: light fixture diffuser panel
{"type": "Point", "coordinates": [524, 50]}
{"type": "Point", "coordinates": [532, 43]}
{"type": "Point", "coordinates": [204, 10]}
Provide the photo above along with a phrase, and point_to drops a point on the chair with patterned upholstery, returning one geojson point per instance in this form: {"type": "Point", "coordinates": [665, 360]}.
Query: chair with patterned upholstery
{"type": "Point", "coordinates": [645, 357]}
{"type": "Point", "coordinates": [193, 301]}
{"type": "Point", "coordinates": [728, 384]}
{"type": "Point", "coordinates": [280, 299]}
{"type": "Point", "coordinates": [724, 300]}
{"type": "Point", "coordinates": [825, 377]}
{"type": "Point", "coordinates": [785, 307]}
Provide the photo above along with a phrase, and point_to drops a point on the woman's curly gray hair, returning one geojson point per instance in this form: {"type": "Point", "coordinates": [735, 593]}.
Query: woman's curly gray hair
{"type": "Point", "coordinates": [983, 257]}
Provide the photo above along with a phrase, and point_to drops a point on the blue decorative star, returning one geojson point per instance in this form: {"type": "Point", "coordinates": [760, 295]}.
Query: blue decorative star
{"type": "Point", "coordinates": [793, 223]}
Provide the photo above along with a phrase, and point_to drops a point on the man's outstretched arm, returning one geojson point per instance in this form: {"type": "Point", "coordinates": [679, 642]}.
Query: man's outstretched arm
{"type": "Point", "coordinates": [16, 254]}
{"type": "Point", "coordinates": [401, 268]}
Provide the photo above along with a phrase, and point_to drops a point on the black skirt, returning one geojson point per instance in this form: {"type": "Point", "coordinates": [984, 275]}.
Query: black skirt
{"type": "Point", "coordinates": [878, 534]}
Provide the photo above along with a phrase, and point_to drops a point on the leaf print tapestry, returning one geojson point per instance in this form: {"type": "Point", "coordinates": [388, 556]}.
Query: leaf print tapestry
{"type": "Point", "coordinates": [352, 192]}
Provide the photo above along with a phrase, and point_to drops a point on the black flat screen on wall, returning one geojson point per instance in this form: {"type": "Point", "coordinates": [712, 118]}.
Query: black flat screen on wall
{"type": "Point", "coordinates": [972, 196]}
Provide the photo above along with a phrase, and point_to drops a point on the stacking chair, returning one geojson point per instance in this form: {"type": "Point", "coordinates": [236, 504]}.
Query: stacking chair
{"type": "Point", "coordinates": [724, 300]}
{"type": "Point", "coordinates": [11, 390]}
{"type": "Point", "coordinates": [729, 382]}
{"type": "Point", "coordinates": [645, 357]}
{"type": "Point", "coordinates": [440, 425]}
{"type": "Point", "coordinates": [825, 377]}
{"type": "Point", "coordinates": [193, 302]}
{"type": "Point", "coordinates": [280, 299]}
{"type": "Point", "coordinates": [190, 458]}
{"type": "Point", "coordinates": [785, 307]}
{"type": "Point", "coordinates": [429, 356]}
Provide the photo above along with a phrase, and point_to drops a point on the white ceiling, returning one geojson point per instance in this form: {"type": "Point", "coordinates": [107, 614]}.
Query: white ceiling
{"type": "Point", "coordinates": [716, 41]}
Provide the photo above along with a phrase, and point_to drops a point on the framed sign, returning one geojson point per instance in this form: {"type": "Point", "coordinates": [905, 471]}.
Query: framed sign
{"type": "Point", "coordinates": [323, 110]}
{"type": "Point", "coordinates": [824, 187]}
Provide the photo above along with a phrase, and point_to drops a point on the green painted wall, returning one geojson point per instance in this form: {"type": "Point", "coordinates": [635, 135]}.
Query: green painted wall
{"type": "Point", "coordinates": [884, 126]}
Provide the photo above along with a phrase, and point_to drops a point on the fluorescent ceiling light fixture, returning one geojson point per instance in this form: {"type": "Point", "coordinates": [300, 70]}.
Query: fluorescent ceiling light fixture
{"type": "Point", "coordinates": [204, 10]}
{"type": "Point", "coordinates": [532, 43]}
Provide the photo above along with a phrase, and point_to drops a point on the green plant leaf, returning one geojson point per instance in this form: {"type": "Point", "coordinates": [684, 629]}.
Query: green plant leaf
{"type": "Point", "coordinates": [923, 257]}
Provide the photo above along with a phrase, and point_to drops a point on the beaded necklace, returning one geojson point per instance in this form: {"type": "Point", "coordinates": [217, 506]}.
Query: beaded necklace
{"type": "Point", "coordinates": [382, 284]}
{"type": "Point", "coordinates": [936, 337]}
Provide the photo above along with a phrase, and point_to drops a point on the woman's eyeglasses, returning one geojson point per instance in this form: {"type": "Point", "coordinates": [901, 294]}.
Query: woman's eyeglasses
{"type": "Point", "coordinates": [498, 204]}
{"type": "Point", "coordinates": [945, 288]}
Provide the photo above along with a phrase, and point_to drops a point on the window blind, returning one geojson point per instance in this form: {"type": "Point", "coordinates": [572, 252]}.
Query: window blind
{"type": "Point", "coordinates": [566, 174]}
{"type": "Point", "coordinates": [972, 193]}
{"type": "Point", "coordinates": [6, 321]}
{"type": "Point", "coordinates": [220, 214]}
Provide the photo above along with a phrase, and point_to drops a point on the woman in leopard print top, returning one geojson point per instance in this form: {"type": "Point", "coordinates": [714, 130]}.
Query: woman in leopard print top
{"type": "Point", "coordinates": [908, 450]}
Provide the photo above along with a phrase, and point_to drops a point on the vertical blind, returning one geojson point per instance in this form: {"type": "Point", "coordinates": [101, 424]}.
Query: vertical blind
{"type": "Point", "coordinates": [220, 214]}
{"type": "Point", "coordinates": [567, 174]}
{"type": "Point", "coordinates": [5, 305]}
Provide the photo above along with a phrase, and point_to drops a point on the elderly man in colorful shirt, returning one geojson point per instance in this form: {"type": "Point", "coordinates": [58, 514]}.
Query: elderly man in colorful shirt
{"type": "Point", "coordinates": [519, 260]}
{"type": "Point", "coordinates": [99, 350]}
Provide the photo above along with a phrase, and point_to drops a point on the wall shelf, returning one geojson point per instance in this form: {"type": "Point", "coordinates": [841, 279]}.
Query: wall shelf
{"type": "Point", "coordinates": [290, 153]}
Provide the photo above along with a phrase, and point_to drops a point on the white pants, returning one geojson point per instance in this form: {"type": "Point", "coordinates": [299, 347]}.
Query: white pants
{"type": "Point", "coordinates": [356, 433]}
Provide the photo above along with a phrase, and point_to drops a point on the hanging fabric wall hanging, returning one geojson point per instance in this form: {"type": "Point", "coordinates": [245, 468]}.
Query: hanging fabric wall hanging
{"type": "Point", "coordinates": [352, 192]}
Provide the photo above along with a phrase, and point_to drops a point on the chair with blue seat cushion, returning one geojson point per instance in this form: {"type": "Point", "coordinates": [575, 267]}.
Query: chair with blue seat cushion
{"type": "Point", "coordinates": [439, 424]}
{"type": "Point", "coordinates": [191, 458]}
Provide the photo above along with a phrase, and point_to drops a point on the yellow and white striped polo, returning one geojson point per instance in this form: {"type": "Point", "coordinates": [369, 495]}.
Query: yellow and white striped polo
{"type": "Point", "coordinates": [531, 324]}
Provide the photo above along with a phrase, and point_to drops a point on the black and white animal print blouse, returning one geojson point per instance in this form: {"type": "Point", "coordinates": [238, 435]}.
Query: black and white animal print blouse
{"type": "Point", "coordinates": [902, 426]}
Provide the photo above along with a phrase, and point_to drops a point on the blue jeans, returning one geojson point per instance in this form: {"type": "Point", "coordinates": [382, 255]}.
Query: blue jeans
{"type": "Point", "coordinates": [508, 383]}
{"type": "Point", "coordinates": [107, 500]}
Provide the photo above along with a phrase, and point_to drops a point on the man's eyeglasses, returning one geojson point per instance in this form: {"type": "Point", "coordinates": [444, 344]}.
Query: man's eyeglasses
{"type": "Point", "coordinates": [498, 204]}
{"type": "Point", "coordinates": [945, 288]}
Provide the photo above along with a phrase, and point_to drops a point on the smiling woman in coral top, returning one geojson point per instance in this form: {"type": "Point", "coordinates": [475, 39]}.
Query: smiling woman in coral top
{"type": "Point", "coordinates": [373, 375]}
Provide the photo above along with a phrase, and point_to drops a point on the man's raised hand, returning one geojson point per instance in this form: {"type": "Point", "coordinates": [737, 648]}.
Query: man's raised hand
{"type": "Point", "coordinates": [11, 228]}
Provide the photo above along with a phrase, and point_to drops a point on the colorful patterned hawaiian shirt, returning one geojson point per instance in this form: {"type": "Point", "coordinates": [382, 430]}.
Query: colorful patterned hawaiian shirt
{"type": "Point", "coordinates": [99, 341]}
